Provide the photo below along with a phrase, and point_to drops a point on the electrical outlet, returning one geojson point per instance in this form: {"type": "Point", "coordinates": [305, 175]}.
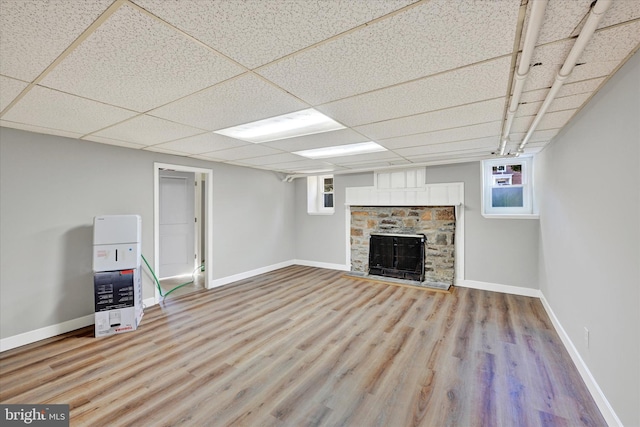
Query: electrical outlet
{"type": "Point", "coordinates": [586, 337]}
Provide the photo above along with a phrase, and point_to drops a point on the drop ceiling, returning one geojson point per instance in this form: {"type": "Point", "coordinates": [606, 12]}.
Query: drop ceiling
{"type": "Point", "coordinates": [429, 80]}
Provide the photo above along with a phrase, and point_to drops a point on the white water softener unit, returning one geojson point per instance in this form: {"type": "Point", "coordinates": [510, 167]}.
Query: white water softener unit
{"type": "Point", "coordinates": [117, 282]}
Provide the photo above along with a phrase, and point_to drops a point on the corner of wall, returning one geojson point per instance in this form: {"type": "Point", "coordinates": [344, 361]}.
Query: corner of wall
{"type": "Point", "coordinates": [596, 392]}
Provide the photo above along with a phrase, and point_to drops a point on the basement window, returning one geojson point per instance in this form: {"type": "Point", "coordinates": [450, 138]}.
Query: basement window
{"type": "Point", "coordinates": [508, 188]}
{"type": "Point", "coordinates": [320, 195]}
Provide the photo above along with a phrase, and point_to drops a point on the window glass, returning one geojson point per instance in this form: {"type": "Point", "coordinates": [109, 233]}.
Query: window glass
{"type": "Point", "coordinates": [507, 197]}
{"type": "Point", "coordinates": [507, 191]}
{"type": "Point", "coordinates": [507, 186]}
{"type": "Point", "coordinates": [327, 192]}
{"type": "Point", "coordinates": [328, 185]}
{"type": "Point", "coordinates": [328, 200]}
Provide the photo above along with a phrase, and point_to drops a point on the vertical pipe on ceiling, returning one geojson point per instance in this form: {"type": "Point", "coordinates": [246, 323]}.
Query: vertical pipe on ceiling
{"type": "Point", "coordinates": [531, 37]}
{"type": "Point", "coordinates": [595, 15]}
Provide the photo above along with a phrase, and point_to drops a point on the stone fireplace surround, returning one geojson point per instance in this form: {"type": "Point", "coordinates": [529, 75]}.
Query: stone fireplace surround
{"type": "Point", "coordinates": [400, 202]}
{"type": "Point", "coordinates": [436, 223]}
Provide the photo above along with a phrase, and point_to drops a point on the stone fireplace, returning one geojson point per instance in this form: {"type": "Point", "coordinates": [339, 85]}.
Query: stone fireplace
{"type": "Point", "coordinates": [436, 223]}
{"type": "Point", "coordinates": [400, 203]}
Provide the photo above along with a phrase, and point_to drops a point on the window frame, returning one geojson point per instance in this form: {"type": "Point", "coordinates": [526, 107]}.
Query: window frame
{"type": "Point", "coordinates": [323, 188]}
{"type": "Point", "coordinates": [489, 182]}
{"type": "Point", "coordinates": [316, 193]}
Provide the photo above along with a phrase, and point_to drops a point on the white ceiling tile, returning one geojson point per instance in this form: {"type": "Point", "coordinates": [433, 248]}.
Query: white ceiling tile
{"type": "Point", "coordinates": [521, 124]}
{"type": "Point", "coordinates": [428, 39]}
{"type": "Point", "coordinates": [207, 156]}
{"type": "Point", "coordinates": [451, 158]}
{"type": "Point", "coordinates": [463, 86]}
{"type": "Point", "coordinates": [585, 86]}
{"type": "Point", "coordinates": [538, 144]}
{"type": "Point", "coordinates": [479, 112]}
{"type": "Point", "coordinates": [612, 44]}
{"type": "Point", "coordinates": [620, 11]}
{"type": "Point", "coordinates": [147, 130]}
{"type": "Point", "coordinates": [549, 121]}
{"type": "Point", "coordinates": [9, 89]}
{"type": "Point", "coordinates": [318, 140]}
{"type": "Point", "coordinates": [364, 158]}
{"type": "Point", "coordinates": [538, 136]}
{"type": "Point", "coordinates": [454, 157]}
{"type": "Point", "coordinates": [535, 95]}
{"type": "Point", "coordinates": [489, 143]}
{"type": "Point", "coordinates": [237, 101]}
{"type": "Point", "coordinates": [528, 109]}
{"type": "Point", "coordinates": [546, 62]}
{"type": "Point", "coordinates": [601, 56]}
{"type": "Point", "coordinates": [136, 62]}
{"type": "Point", "coordinates": [157, 149]}
{"type": "Point", "coordinates": [559, 103]}
{"type": "Point", "coordinates": [39, 129]}
{"type": "Point", "coordinates": [533, 150]}
{"type": "Point", "coordinates": [568, 102]}
{"type": "Point", "coordinates": [560, 19]}
{"type": "Point", "coordinates": [592, 70]}
{"type": "Point", "coordinates": [266, 30]}
{"type": "Point", "coordinates": [240, 153]}
{"type": "Point", "coordinates": [201, 157]}
{"type": "Point", "coordinates": [564, 19]}
{"type": "Point", "coordinates": [544, 135]}
{"type": "Point", "coordinates": [555, 120]}
{"type": "Point", "coordinates": [110, 141]}
{"type": "Point", "coordinates": [456, 134]}
{"type": "Point", "coordinates": [56, 110]}
{"type": "Point", "coordinates": [33, 33]}
{"type": "Point", "coordinates": [305, 166]}
{"type": "Point", "coordinates": [377, 165]}
{"type": "Point", "coordinates": [203, 143]}
{"type": "Point", "coordinates": [271, 159]}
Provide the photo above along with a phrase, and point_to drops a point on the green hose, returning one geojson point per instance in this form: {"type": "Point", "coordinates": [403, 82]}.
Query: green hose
{"type": "Point", "coordinates": [158, 282]}
{"type": "Point", "coordinates": [153, 274]}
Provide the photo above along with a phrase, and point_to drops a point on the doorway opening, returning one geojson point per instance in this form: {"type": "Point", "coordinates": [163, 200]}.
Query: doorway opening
{"type": "Point", "coordinates": [183, 238]}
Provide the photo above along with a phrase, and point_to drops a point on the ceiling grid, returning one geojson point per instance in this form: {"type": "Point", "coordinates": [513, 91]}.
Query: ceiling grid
{"type": "Point", "coordinates": [427, 80]}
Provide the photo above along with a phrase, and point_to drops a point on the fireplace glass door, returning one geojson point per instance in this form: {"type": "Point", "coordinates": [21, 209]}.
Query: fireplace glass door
{"type": "Point", "coordinates": [397, 255]}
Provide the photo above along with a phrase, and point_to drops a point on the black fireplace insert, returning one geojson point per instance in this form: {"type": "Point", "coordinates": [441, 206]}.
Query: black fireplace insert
{"type": "Point", "coordinates": [397, 255]}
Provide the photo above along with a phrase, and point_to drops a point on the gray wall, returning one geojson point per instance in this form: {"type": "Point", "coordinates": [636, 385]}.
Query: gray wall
{"type": "Point", "coordinates": [590, 234]}
{"type": "Point", "coordinates": [321, 238]}
{"type": "Point", "coordinates": [52, 187]}
{"type": "Point", "coordinates": [502, 251]}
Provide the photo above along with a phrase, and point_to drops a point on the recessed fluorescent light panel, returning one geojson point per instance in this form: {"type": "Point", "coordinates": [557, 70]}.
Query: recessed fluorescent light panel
{"type": "Point", "coordinates": [341, 150]}
{"type": "Point", "coordinates": [305, 122]}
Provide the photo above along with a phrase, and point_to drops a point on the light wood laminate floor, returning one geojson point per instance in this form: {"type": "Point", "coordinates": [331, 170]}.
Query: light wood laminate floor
{"type": "Point", "coordinates": [304, 346]}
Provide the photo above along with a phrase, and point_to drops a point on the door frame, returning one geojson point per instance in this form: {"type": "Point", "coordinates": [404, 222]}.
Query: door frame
{"type": "Point", "coordinates": [208, 219]}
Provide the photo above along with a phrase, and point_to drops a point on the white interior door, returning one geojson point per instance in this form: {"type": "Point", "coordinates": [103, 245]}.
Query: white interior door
{"type": "Point", "coordinates": [177, 231]}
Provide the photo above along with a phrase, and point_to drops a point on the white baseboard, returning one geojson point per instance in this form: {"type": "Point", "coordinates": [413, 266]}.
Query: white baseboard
{"type": "Point", "coordinates": [248, 274]}
{"type": "Point", "coordinates": [148, 302]}
{"type": "Point", "coordinates": [53, 330]}
{"type": "Point", "coordinates": [330, 266]}
{"type": "Point", "coordinates": [505, 289]}
{"type": "Point", "coordinates": [603, 404]}
{"type": "Point", "coordinates": [46, 332]}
